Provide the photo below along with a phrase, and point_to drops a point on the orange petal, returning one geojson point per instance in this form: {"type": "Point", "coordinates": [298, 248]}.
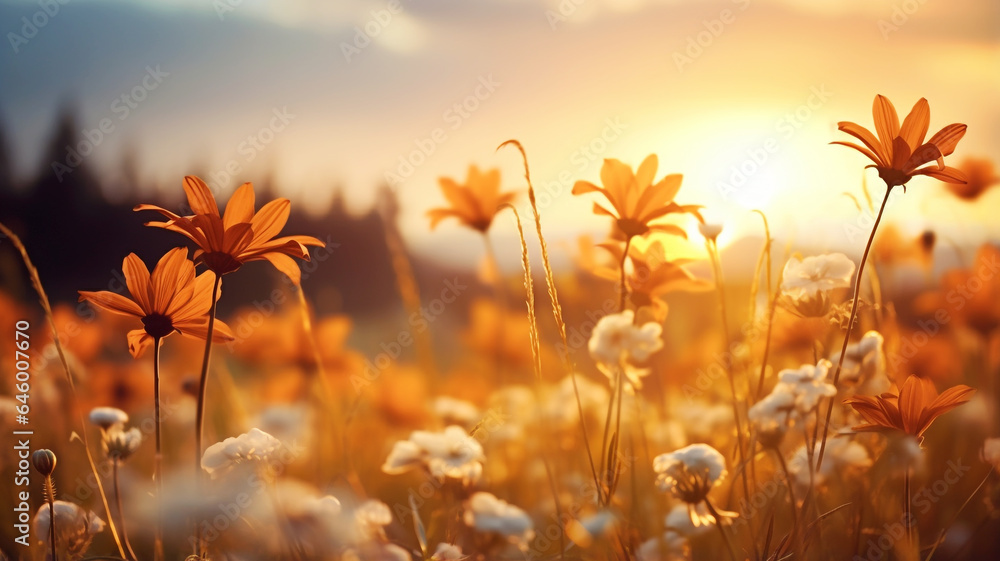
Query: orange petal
{"type": "Point", "coordinates": [199, 302]}
{"type": "Point", "coordinates": [137, 280]}
{"type": "Point", "coordinates": [286, 265]}
{"type": "Point", "coordinates": [138, 342]}
{"type": "Point", "coordinates": [866, 138]}
{"type": "Point", "coordinates": [239, 209]}
{"type": "Point", "coordinates": [199, 196]}
{"type": "Point", "coordinates": [871, 155]}
{"type": "Point", "coordinates": [915, 124]}
{"type": "Point", "coordinates": [271, 218]}
{"type": "Point", "coordinates": [948, 174]}
{"type": "Point", "coordinates": [947, 138]}
{"type": "Point", "coordinates": [647, 171]}
{"type": "Point", "coordinates": [112, 302]}
{"type": "Point", "coordinates": [886, 121]}
{"type": "Point", "coordinates": [170, 275]}
{"type": "Point", "coordinates": [199, 330]}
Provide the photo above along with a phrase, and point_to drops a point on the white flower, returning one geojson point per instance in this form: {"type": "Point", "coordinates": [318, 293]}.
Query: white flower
{"type": "Point", "coordinates": [253, 446]}
{"type": "Point", "coordinates": [584, 530]}
{"type": "Point", "coordinates": [560, 408]}
{"type": "Point", "coordinates": [320, 508]}
{"type": "Point", "coordinates": [448, 454]}
{"type": "Point", "coordinates": [616, 339]}
{"type": "Point", "coordinates": [377, 552]}
{"type": "Point", "coordinates": [691, 472]}
{"type": "Point", "coordinates": [671, 546]}
{"type": "Point", "coordinates": [991, 452]}
{"type": "Point", "coordinates": [864, 362]}
{"type": "Point", "coordinates": [107, 417]}
{"type": "Point", "coordinates": [808, 384]}
{"type": "Point", "coordinates": [819, 273]}
{"type": "Point", "coordinates": [770, 416]}
{"type": "Point", "coordinates": [370, 517]}
{"type": "Point", "coordinates": [679, 519]}
{"type": "Point", "coordinates": [75, 528]}
{"type": "Point", "coordinates": [843, 457]}
{"type": "Point", "coordinates": [456, 411]}
{"type": "Point", "coordinates": [710, 231]}
{"type": "Point", "coordinates": [486, 513]}
{"type": "Point", "coordinates": [121, 444]}
{"type": "Point", "coordinates": [447, 552]}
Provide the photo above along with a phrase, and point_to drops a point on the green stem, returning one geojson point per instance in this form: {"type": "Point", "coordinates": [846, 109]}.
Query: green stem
{"type": "Point", "coordinates": [850, 324]}
{"type": "Point", "coordinates": [200, 414]}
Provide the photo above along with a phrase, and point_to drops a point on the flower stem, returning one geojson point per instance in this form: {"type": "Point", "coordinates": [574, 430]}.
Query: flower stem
{"type": "Point", "coordinates": [50, 492]}
{"type": "Point", "coordinates": [158, 460]}
{"type": "Point", "coordinates": [850, 324]}
{"type": "Point", "coordinates": [200, 414]}
{"type": "Point", "coordinates": [115, 462]}
{"type": "Point", "coordinates": [713, 251]}
{"type": "Point", "coordinates": [907, 509]}
{"type": "Point", "coordinates": [718, 523]}
{"type": "Point", "coordinates": [623, 290]}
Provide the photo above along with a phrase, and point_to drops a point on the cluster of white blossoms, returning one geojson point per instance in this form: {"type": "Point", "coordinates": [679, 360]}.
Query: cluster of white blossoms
{"type": "Point", "coordinates": [864, 364]}
{"type": "Point", "coordinates": [796, 394]}
{"type": "Point", "coordinates": [806, 283]}
{"type": "Point", "coordinates": [689, 474]}
{"type": "Point", "coordinates": [617, 343]}
{"type": "Point", "coordinates": [843, 459]}
{"type": "Point", "coordinates": [452, 411]}
{"type": "Point", "coordinates": [118, 443]}
{"type": "Point", "coordinates": [451, 454]}
{"type": "Point", "coordinates": [253, 446]}
{"type": "Point", "coordinates": [671, 546]}
{"type": "Point", "coordinates": [488, 514]}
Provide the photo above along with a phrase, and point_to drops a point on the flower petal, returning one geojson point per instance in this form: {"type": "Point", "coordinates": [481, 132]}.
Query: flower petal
{"type": "Point", "coordinates": [239, 209]}
{"type": "Point", "coordinates": [871, 155]}
{"type": "Point", "coordinates": [138, 342]}
{"type": "Point", "coordinates": [271, 218]}
{"type": "Point", "coordinates": [646, 172]}
{"type": "Point", "coordinates": [866, 138]}
{"type": "Point", "coordinates": [948, 174]}
{"type": "Point", "coordinates": [137, 280]}
{"type": "Point", "coordinates": [169, 276]}
{"type": "Point", "coordinates": [286, 265]}
{"type": "Point", "coordinates": [199, 196]}
{"type": "Point", "coordinates": [947, 138]}
{"type": "Point", "coordinates": [916, 123]}
{"type": "Point", "coordinates": [112, 302]}
{"type": "Point", "coordinates": [886, 122]}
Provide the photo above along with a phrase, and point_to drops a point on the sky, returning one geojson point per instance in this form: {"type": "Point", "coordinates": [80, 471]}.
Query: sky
{"type": "Point", "coordinates": [742, 97]}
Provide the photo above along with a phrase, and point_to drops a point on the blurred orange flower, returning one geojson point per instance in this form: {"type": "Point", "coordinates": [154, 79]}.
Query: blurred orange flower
{"type": "Point", "coordinates": [226, 242]}
{"type": "Point", "coordinates": [473, 204]}
{"type": "Point", "coordinates": [911, 411]}
{"type": "Point", "coordinates": [898, 152]}
{"type": "Point", "coordinates": [980, 175]}
{"type": "Point", "coordinates": [171, 299]}
{"type": "Point", "coordinates": [635, 199]}
{"type": "Point", "coordinates": [970, 295]}
{"type": "Point", "coordinates": [653, 276]}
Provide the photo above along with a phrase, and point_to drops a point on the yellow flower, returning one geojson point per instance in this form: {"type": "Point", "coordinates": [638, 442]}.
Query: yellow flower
{"type": "Point", "coordinates": [898, 152]}
{"type": "Point", "coordinates": [171, 299]}
{"type": "Point", "coordinates": [226, 242]}
{"type": "Point", "coordinates": [636, 200]}
{"type": "Point", "coordinates": [473, 204]}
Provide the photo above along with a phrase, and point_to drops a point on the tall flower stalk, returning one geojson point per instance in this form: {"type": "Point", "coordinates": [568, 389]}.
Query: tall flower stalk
{"type": "Point", "coordinates": [899, 153]}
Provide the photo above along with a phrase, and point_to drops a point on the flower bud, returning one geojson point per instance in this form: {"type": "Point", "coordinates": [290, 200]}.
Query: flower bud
{"type": "Point", "coordinates": [44, 461]}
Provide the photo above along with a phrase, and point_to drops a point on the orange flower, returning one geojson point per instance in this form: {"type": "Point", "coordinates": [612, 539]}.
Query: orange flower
{"type": "Point", "coordinates": [226, 242]}
{"type": "Point", "coordinates": [171, 299]}
{"type": "Point", "coordinates": [653, 276]}
{"type": "Point", "coordinates": [898, 152]}
{"type": "Point", "coordinates": [635, 199]}
{"type": "Point", "coordinates": [475, 203]}
{"type": "Point", "coordinates": [980, 175]}
{"type": "Point", "coordinates": [911, 411]}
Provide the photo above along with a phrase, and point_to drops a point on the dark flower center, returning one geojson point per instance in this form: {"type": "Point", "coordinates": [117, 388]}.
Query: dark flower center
{"type": "Point", "coordinates": [220, 262]}
{"type": "Point", "coordinates": [632, 227]}
{"type": "Point", "coordinates": [892, 177]}
{"type": "Point", "coordinates": [158, 325]}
